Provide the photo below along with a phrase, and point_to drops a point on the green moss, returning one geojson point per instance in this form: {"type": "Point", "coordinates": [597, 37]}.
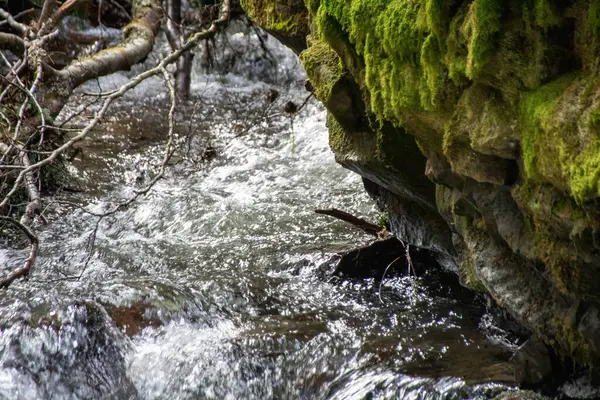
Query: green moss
{"type": "Point", "coordinates": [572, 343]}
{"type": "Point", "coordinates": [432, 70]}
{"type": "Point", "coordinates": [286, 18]}
{"type": "Point", "coordinates": [584, 174]}
{"type": "Point", "coordinates": [546, 14]}
{"type": "Point", "coordinates": [323, 67]}
{"type": "Point", "coordinates": [537, 109]}
{"type": "Point", "coordinates": [560, 137]}
{"type": "Point", "coordinates": [401, 44]}
{"type": "Point", "coordinates": [593, 17]}
{"type": "Point", "coordinates": [560, 230]}
{"type": "Point", "coordinates": [313, 6]}
{"type": "Point", "coordinates": [481, 27]}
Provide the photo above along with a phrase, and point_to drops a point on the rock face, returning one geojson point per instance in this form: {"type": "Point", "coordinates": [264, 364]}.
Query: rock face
{"type": "Point", "coordinates": [477, 126]}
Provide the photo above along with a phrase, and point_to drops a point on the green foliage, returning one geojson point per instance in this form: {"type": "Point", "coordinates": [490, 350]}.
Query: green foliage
{"type": "Point", "coordinates": [593, 17]}
{"type": "Point", "coordinates": [384, 222]}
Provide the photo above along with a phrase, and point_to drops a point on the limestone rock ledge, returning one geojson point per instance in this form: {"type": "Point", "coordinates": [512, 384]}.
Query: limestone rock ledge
{"type": "Point", "coordinates": [476, 125]}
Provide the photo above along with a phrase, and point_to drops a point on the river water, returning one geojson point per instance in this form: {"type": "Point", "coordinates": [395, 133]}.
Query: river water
{"type": "Point", "coordinates": [217, 284]}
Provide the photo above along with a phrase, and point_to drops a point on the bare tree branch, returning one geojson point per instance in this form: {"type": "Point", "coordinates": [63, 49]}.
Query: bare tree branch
{"type": "Point", "coordinates": [24, 270]}
{"type": "Point", "coordinates": [13, 43]}
{"type": "Point", "coordinates": [17, 26]}
{"type": "Point", "coordinates": [137, 44]}
{"type": "Point", "coordinates": [46, 13]}
{"type": "Point", "coordinates": [351, 219]}
{"type": "Point", "coordinates": [17, 16]}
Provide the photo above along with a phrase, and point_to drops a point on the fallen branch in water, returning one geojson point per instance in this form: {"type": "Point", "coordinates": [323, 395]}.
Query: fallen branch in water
{"type": "Point", "coordinates": [360, 223]}
{"type": "Point", "coordinates": [24, 270]}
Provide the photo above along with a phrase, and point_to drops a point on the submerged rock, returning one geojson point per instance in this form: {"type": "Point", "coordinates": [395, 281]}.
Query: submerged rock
{"type": "Point", "coordinates": [521, 395]}
{"type": "Point", "coordinates": [371, 260]}
{"type": "Point", "coordinates": [382, 256]}
{"type": "Point", "coordinates": [532, 363]}
{"type": "Point", "coordinates": [475, 125]}
{"type": "Point", "coordinates": [66, 350]}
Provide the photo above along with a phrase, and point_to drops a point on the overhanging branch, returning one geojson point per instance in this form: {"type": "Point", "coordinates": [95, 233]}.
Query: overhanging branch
{"type": "Point", "coordinates": [137, 44]}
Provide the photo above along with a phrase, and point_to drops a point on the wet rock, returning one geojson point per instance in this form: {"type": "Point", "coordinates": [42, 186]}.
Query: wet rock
{"type": "Point", "coordinates": [532, 363]}
{"type": "Point", "coordinates": [589, 326]}
{"type": "Point", "coordinates": [521, 395]}
{"type": "Point", "coordinates": [134, 318]}
{"type": "Point", "coordinates": [371, 261]}
{"type": "Point", "coordinates": [75, 351]}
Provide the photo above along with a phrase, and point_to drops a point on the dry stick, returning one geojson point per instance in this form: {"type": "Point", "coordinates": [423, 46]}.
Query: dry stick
{"type": "Point", "coordinates": [51, 21]}
{"type": "Point", "coordinates": [35, 203]}
{"type": "Point", "coordinates": [19, 65]}
{"type": "Point", "coordinates": [383, 277]}
{"type": "Point", "coordinates": [360, 223]}
{"type": "Point", "coordinates": [410, 266]}
{"type": "Point", "coordinates": [24, 270]}
{"type": "Point", "coordinates": [17, 26]}
{"type": "Point", "coordinates": [408, 258]}
{"type": "Point", "coordinates": [46, 13]}
{"type": "Point", "coordinates": [17, 16]}
{"type": "Point", "coordinates": [12, 42]}
{"type": "Point", "coordinates": [31, 95]}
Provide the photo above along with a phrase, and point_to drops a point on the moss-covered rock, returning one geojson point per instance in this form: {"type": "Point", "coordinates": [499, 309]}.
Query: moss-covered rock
{"type": "Point", "coordinates": [287, 20]}
{"type": "Point", "coordinates": [477, 124]}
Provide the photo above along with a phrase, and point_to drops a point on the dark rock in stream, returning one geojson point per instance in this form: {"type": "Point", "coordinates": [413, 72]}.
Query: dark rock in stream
{"type": "Point", "coordinates": [521, 395]}
{"type": "Point", "coordinates": [532, 363]}
{"type": "Point", "coordinates": [134, 318]}
{"type": "Point", "coordinates": [69, 350]}
{"type": "Point", "coordinates": [371, 261]}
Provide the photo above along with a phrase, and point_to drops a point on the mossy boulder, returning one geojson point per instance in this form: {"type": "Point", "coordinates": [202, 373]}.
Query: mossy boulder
{"type": "Point", "coordinates": [477, 125]}
{"type": "Point", "coordinates": [287, 20]}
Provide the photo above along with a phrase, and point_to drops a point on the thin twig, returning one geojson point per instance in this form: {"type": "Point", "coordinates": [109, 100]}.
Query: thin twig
{"type": "Point", "coordinates": [383, 277]}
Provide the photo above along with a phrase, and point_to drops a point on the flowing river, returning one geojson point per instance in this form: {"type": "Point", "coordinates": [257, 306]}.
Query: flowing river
{"type": "Point", "coordinates": [218, 283]}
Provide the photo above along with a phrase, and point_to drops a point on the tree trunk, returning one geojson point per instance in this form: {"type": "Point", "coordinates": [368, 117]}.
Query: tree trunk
{"type": "Point", "coordinates": [184, 75]}
{"type": "Point", "coordinates": [176, 36]}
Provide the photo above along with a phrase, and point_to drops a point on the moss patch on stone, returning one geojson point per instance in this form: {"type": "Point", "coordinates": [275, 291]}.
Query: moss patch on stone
{"type": "Point", "coordinates": [287, 18]}
{"type": "Point", "coordinates": [323, 67]}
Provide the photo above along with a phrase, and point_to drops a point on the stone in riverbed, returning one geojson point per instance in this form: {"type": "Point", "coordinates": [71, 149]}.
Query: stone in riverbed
{"type": "Point", "coordinates": [371, 261]}
{"type": "Point", "coordinates": [521, 395]}
{"type": "Point", "coordinates": [532, 363]}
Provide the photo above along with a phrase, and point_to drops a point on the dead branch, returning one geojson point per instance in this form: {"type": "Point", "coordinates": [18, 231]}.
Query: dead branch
{"type": "Point", "coordinates": [17, 26]}
{"type": "Point", "coordinates": [17, 16]}
{"type": "Point", "coordinates": [360, 223]}
{"type": "Point", "coordinates": [46, 13]}
{"type": "Point", "coordinates": [137, 44]}
{"type": "Point", "coordinates": [26, 268]}
{"type": "Point", "coordinates": [35, 202]}
{"type": "Point", "coordinates": [13, 43]}
{"type": "Point", "coordinates": [49, 21]}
